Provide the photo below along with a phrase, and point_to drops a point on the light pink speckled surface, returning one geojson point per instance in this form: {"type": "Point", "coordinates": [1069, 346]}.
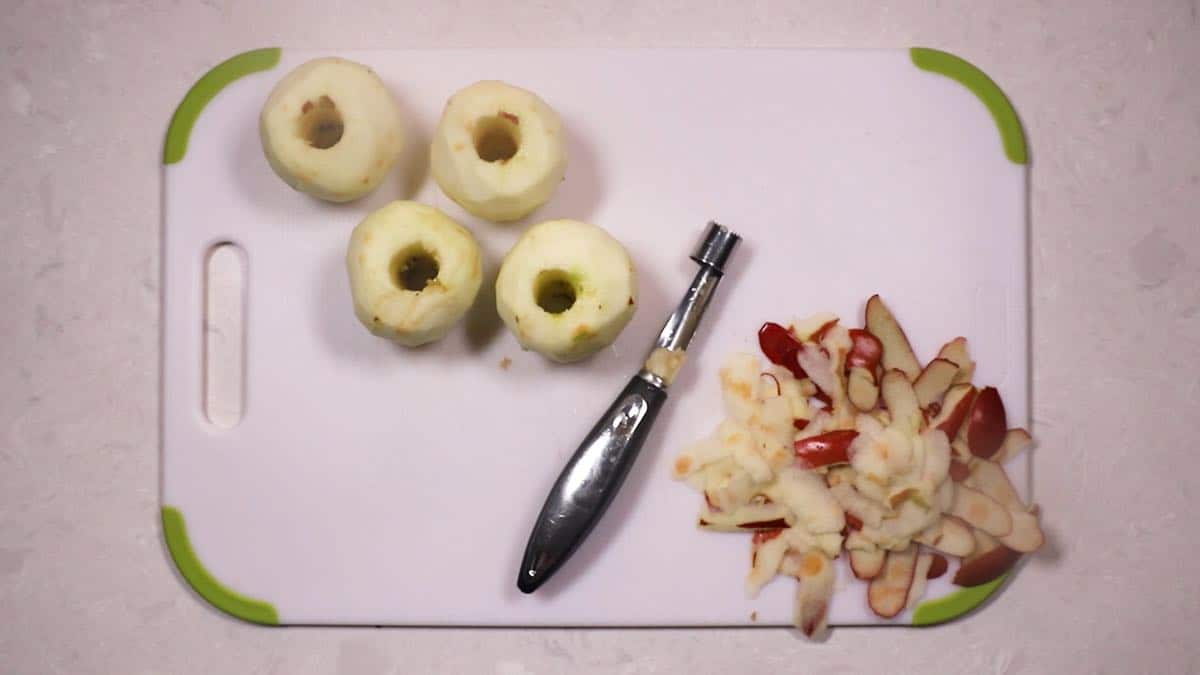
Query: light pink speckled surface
{"type": "Point", "coordinates": [1109, 98]}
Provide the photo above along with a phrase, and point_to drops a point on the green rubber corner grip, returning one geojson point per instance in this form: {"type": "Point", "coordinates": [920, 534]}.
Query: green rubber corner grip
{"type": "Point", "coordinates": [205, 89]}
{"type": "Point", "coordinates": [956, 604]}
{"type": "Point", "coordinates": [959, 70]}
{"type": "Point", "coordinates": [217, 594]}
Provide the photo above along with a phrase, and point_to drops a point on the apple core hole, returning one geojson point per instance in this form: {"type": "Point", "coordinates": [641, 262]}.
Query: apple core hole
{"type": "Point", "coordinates": [414, 269]}
{"type": "Point", "coordinates": [321, 123]}
{"type": "Point", "coordinates": [554, 292]}
{"type": "Point", "coordinates": [497, 138]}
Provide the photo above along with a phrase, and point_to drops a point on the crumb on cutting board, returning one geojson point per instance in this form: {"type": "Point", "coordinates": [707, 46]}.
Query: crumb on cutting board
{"type": "Point", "coordinates": [754, 616]}
{"type": "Point", "coordinates": [505, 363]}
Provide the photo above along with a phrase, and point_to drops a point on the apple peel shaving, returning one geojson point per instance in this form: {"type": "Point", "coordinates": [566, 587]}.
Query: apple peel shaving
{"type": "Point", "coordinates": [845, 442]}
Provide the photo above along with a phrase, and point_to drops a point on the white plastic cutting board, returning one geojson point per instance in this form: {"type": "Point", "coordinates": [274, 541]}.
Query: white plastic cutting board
{"type": "Point", "coordinates": [372, 484]}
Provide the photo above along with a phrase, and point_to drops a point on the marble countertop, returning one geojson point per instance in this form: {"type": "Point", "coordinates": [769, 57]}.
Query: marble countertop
{"type": "Point", "coordinates": [1109, 99]}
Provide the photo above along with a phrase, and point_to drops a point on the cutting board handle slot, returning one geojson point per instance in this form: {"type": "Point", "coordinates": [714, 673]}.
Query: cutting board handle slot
{"type": "Point", "coordinates": [224, 342]}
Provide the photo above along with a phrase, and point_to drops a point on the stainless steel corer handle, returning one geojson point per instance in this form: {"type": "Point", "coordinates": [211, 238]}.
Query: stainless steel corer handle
{"type": "Point", "coordinates": [595, 473]}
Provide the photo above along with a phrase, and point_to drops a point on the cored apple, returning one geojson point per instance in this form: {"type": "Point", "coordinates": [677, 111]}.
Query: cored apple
{"type": "Point", "coordinates": [566, 290]}
{"type": "Point", "coordinates": [332, 129]}
{"type": "Point", "coordinates": [499, 151]}
{"type": "Point", "coordinates": [414, 272]}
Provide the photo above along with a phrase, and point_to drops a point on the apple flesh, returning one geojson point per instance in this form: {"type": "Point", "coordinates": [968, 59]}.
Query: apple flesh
{"type": "Point", "coordinates": [804, 493]}
{"type": "Point", "coordinates": [901, 401]}
{"type": "Point", "coordinates": [697, 456]}
{"type": "Point", "coordinates": [944, 497]}
{"type": "Point", "coordinates": [952, 411]}
{"type": "Point", "coordinates": [813, 592]}
{"type": "Point", "coordinates": [980, 511]}
{"type": "Point", "coordinates": [910, 520]}
{"type": "Point", "coordinates": [819, 367]}
{"type": "Point", "coordinates": [414, 272]}
{"type": "Point", "coordinates": [862, 389]}
{"type": "Point", "coordinates": [888, 592]}
{"type": "Point", "coordinates": [1015, 442]}
{"type": "Point", "coordinates": [1026, 535]}
{"type": "Point", "coordinates": [767, 549]}
{"type": "Point", "coordinates": [331, 128]}
{"type": "Point", "coordinates": [936, 466]}
{"type": "Point", "coordinates": [956, 351]}
{"type": "Point", "coordinates": [990, 479]}
{"type": "Point", "coordinates": [819, 334]}
{"type": "Point", "coordinates": [934, 381]}
{"type": "Point", "coordinates": [567, 289]}
{"type": "Point", "coordinates": [959, 450]}
{"type": "Point", "coordinates": [866, 564]}
{"type": "Point", "coordinates": [951, 536]}
{"type": "Point", "coordinates": [987, 424]}
{"type": "Point", "coordinates": [804, 329]}
{"type": "Point", "coordinates": [485, 125]}
{"type": "Point", "coordinates": [863, 509]}
{"type": "Point", "coordinates": [897, 351]}
{"type": "Point", "coordinates": [765, 516]}
{"type": "Point", "coordinates": [920, 577]}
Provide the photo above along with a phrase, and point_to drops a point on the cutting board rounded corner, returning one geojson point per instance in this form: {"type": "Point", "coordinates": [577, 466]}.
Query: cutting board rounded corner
{"type": "Point", "coordinates": [220, 596]}
{"type": "Point", "coordinates": [957, 604]}
{"type": "Point", "coordinates": [1012, 136]}
{"type": "Point", "coordinates": [179, 130]}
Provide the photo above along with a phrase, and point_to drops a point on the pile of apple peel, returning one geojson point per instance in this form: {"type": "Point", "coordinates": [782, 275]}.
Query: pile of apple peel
{"type": "Point", "coordinates": [845, 444]}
